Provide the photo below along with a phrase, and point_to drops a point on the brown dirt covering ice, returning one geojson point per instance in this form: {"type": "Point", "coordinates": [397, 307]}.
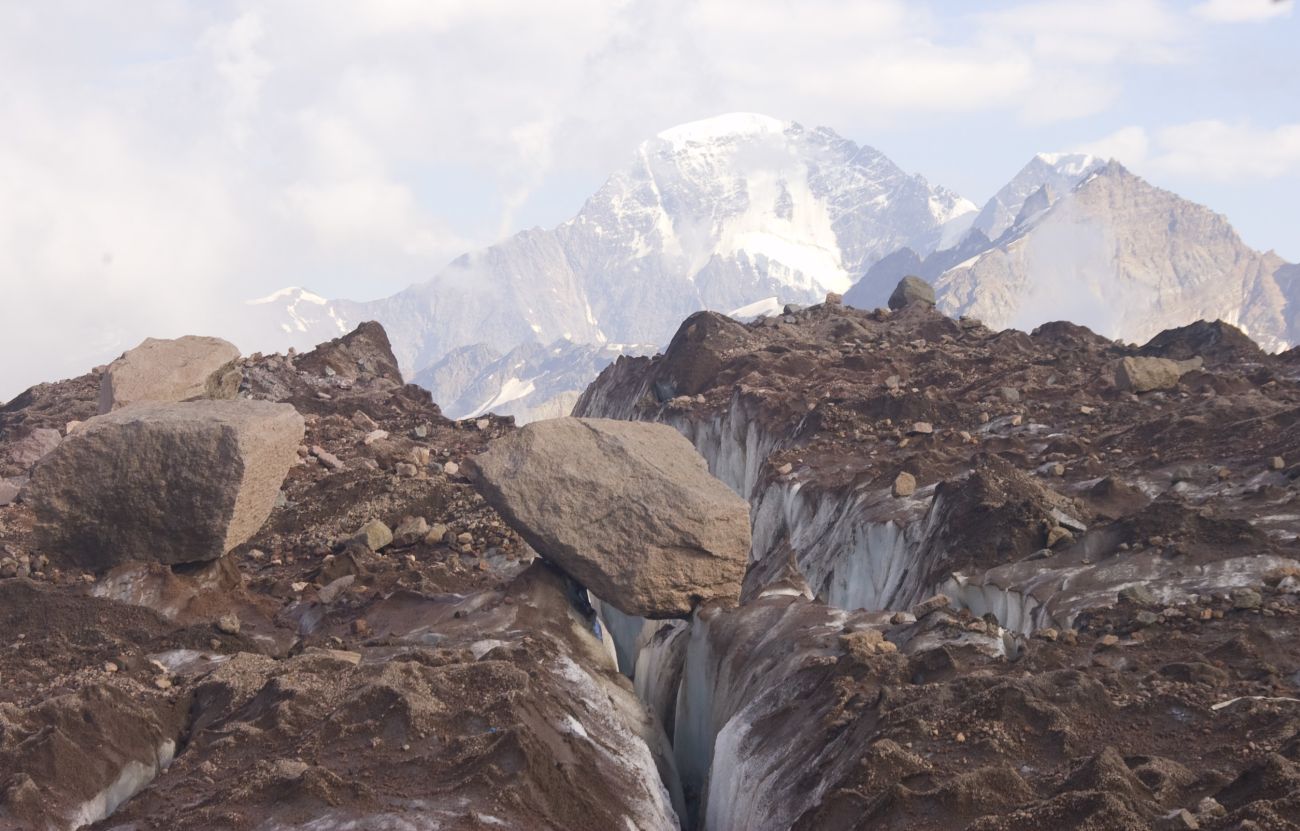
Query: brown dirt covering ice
{"type": "Point", "coordinates": [447, 680]}
{"type": "Point", "coordinates": [304, 675]}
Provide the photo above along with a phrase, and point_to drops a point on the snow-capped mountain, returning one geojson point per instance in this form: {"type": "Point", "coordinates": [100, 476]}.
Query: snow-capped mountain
{"type": "Point", "coordinates": [529, 382]}
{"type": "Point", "coordinates": [1109, 251]}
{"type": "Point", "coordinates": [714, 214]}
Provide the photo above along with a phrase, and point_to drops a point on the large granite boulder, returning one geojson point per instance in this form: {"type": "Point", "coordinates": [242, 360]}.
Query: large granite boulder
{"type": "Point", "coordinates": [174, 483]}
{"type": "Point", "coordinates": [170, 370]}
{"type": "Point", "coordinates": [910, 290]}
{"type": "Point", "coordinates": [1147, 374]}
{"type": "Point", "coordinates": [628, 509]}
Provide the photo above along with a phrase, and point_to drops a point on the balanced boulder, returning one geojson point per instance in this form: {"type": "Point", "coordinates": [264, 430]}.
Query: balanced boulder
{"type": "Point", "coordinates": [1147, 374]}
{"type": "Point", "coordinates": [911, 289]}
{"type": "Point", "coordinates": [628, 509]}
{"type": "Point", "coordinates": [174, 483]}
{"type": "Point", "coordinates": [170, 370]}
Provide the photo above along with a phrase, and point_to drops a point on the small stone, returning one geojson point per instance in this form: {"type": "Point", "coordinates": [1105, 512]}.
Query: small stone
{"type": "Point", "coordinates": [961, 738]}
{"type": "Point", "coordinates": [1138, 595]}
{"type": "Point", "coordinates": [1059, 535]}
{"type": "Point", "coordinates": [900, 618]}
{"type": "Point", "coordinates": [326, 458]}
{"type": "Point", "coordinates": [833, 298]}
{"type": "Point", "coordinates": [1180, 820]}
{"type": "Point", "coordinates": [374, 436]}
{"type": "Point", "coordinates": [421, 431]}
{"type": "Point", "coordinates": [109, 666]}
{"type": "Point", "coordinates": [373, 535]}
{"type": "Point", "coordinates": [1108, 640]}
{"type": "Point", "coordinates": [483, 424]}
{"type": "Point", "coordinates": [921, 428]}
{"type": "Point", "coordinates": [1210, 807]}
{"type": "Point", "coordinates": [228, 624]}
{"type": "Point", "coordinates": [1246, 599]}
{"type": "Point", "coordinates": [411, 530]}
{"type": "Point", "coordinates": [451, 468]}
{"type": "Point", "coordinates": [1146, 618]}
{"type": "Point", "coordinates": [932, 604]}
{"type": "Point", "coordinates": [329, 593]}
{"type": "Point", "coordinates": [162, 682]}
{"type": "Point", "coordinates": [1084, 409]}
{"type": "Point", "coordinates": [406, 469]}
{"type": "Point", "coordinates": [1047, 634]}
{"type": "Point", "coordinates": [785, 469]}
{"type": "Point", "coordinates": [365, 422]}
{"type": "Point", "coordinates": [1277, 463]}
{"type": "Point", "coordinates": [904, 484]}
{"type": "Point", "coordinates": [437, 533]}
{"type": "Point", "coordinates": [464, 538]}
{"type": "Point", "coordinates": [1017, 420]}
{"type": "Point", "coordinates": [893, 382]}
{"type": "Point", "coordinates": [299, 586]}
{"type": "Point", "coordinates": [1056, 469]}
{"type": "Point", "coordinates": [911, 290]}
{"type": "Point", "coordinates": [360, 627]}
{"type": "Point", "coordinates": [964, 437]}
{"type": "Point", "coordinates": [984, 418]}
{"type": "Point", "coordinates": [1010, 394]}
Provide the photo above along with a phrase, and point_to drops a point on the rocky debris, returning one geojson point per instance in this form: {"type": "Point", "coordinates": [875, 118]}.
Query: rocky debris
{"type": "Point", "coordinates": [172, 483]}
{"type": "Point", "coordinates": [35, 446]}
{"type": "Point", "coordinates": [629, 510]}
{"type": "Point", "coordinates": [1147, 374]}
{"type": "Point", "coordinates": [911, 289]}
{"type": "Point", "coordinates": [363, 352]}
{"type": "Point", "coordinates": [170, 370]}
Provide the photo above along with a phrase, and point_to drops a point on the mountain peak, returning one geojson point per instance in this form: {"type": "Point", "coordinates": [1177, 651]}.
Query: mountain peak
{"type": "Point", "coordinates": [723, 126]}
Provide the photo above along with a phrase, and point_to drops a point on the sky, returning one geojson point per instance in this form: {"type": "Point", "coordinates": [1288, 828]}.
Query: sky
{"type": "Point", "coordinates": [159, 158]}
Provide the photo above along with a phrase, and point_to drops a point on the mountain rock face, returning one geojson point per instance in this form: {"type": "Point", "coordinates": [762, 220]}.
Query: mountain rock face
{"type": "Point", "coordinates": [529, 382]}
{"type": "Point", "coordinates": [1111, 252]}
{"type": "Point", "coordinates": [670, 536]}
{"type": "Point", "coordinates": [711, 215]}
{"type": "Point", "coordinates": [1080, 550]}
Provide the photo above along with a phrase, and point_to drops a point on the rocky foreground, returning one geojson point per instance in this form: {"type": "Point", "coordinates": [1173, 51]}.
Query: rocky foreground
{"type": "Point", "coordinates": [994, 581]}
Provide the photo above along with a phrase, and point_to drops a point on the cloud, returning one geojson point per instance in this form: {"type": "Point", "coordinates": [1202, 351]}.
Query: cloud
{"type": "Point", "coordinates": [1207, 150]}
{"type": "Point", "coordinates": [161, 158]}
{"type": "Point", "coordinates": [1242, 11]}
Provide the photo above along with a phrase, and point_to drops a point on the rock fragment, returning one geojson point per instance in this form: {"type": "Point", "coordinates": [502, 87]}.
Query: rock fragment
{"type": "Point", "coordinates": [1148, 374]}
{"type": "Point", "coordinates": [628, 509]}
{"type": "Point", "coordinates": [35, 446]}
{"type": "Point", "coordinates": [173, 483]}
{"type": "Point", "coordinates": [374, 535]}
{"type": "Point", "coordinates": [161, 370]}
{"type": "Point", "coordinates": [911, 290]}
{"type": "Point", "coordinates": [904, 484]}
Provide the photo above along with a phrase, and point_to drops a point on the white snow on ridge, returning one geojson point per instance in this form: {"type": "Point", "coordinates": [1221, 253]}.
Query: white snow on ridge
{"type": "Point", "coordinates": [766, 307]}
{"type": "Point", "coordinates": [512, 389]}
{"type": "Point", "coordinates": [295, 292]}
{"type": "Point", "coordinates": [722, 126]}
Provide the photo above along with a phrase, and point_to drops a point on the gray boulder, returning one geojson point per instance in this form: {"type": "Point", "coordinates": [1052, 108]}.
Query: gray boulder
{"type": "Point", "coordinates": [170, 370]}
{"type": "Point", "coordinates": [174, 483]}
{"type": "Point", "coordinates": [911, 289]}
{"type": "Point", "coordinates": [1147, 374]}
{"type": "Point", "coordinates": [35, 446]}
{"type": "Point", "coordinates": [628, 509]}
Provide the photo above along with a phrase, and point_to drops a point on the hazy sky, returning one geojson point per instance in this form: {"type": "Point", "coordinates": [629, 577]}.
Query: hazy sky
{"type": "Point", "coordinates": [158, 157]}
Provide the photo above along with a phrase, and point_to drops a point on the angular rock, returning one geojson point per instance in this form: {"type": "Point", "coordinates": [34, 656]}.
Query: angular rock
{"type": "Point", "coordinates": [1147, 374]}
{"type": "Point", "coordinates": [174, 483]}
{"type": "Point", "coordinates": [628, 509]}
{"type": "Point", "coordinates": [8, 491]}
{"type": "Point", "coordinates": [904, 484]}
{"type": "Point", "coordinates": [373, 535]}
{"type": "Point", "coordinates": [170, 370]}
{"type": "Point", "coordinates": [911, 289]}
{"type": "Point", "coordinates": [35, 446]}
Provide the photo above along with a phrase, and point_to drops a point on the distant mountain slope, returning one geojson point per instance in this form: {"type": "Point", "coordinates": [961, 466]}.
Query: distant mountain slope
{"type": "Point", "coordinates": [715, 214]}
{"type": "Point", "coordinates": [1112, 252]}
